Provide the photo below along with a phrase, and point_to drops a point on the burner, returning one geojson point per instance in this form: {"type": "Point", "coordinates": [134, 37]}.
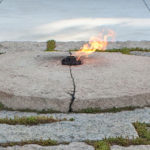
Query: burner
{"type": "Point", "coordinates": [71, 60]}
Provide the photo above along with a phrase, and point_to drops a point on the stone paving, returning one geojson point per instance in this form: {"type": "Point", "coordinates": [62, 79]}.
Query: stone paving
{"type": "Point", "coordinates": [85, 126]}
{"type": "Point", "coordinates": [71, 146]}
{"type": "Point", "coordinates": [140, 147]}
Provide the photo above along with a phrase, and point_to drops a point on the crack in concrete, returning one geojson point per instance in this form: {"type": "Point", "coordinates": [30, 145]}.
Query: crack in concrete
{"type": "Point", "coordinates": [74, 88]}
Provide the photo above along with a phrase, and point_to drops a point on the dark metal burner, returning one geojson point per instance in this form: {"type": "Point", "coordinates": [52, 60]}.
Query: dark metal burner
{"type": "Point", "coordinates": [71, 60]}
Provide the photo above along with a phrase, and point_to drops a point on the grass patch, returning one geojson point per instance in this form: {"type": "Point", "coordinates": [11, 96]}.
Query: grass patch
{"type": "Point", "coordinates": [51, 45]}
{"type": "Point", "coordinates": [32, 120]}
{"type": "Point", "coordinates": [2, 107]}
{"type": "Point", "coordinates": [126, 51]}
{"type": "Point", "coordinates": [142, 130]}
{"type": "Point", "coordinates": [73, 50]}
{"type": "Point", "coordinates": [48, 142]}
{"type": "Point", "coordinates": [110, 110]}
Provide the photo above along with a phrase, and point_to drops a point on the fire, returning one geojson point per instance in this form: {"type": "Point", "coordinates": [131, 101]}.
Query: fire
{"type": "Point", "coordinates": [99, 42]}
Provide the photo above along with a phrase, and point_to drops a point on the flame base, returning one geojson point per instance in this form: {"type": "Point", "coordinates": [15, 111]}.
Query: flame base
{"type": "Point", "coordinates": [71, 60]}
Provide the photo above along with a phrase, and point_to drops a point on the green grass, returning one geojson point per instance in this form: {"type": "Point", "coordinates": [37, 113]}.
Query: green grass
{"type": "Point", "coordinates": [32, 120]}
{"type": "Point", "coordinates": [142, 130]}
{"type": "Point", "coordinates": [122, 50]}
{"type": "Point", "coordinates": [110, 110]}
{"type": "Point", "coordinates": [2, 107]}
{"type": "Point", "coordinates": [126, 50]}
{"type": "Point", "coordinates": [51, 45]}
{"type": "Point", "coordinates": [48, 142]}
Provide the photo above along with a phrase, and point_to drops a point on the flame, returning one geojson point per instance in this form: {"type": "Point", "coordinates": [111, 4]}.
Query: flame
{"type": "Point", "coordinates": [99, 42]}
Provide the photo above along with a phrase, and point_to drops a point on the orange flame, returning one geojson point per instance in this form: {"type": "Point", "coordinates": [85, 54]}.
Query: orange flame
{"type": "Point", "coordinates": [95, 43]}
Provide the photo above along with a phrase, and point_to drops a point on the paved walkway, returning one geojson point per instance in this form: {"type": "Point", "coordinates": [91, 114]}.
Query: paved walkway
{"type": "Point", "coordinates": [84, 127]}
{"type": "Point", "coordinates": [65, 20]}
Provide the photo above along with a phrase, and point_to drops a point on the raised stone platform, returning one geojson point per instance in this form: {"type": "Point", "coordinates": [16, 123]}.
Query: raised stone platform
{"type": "Point", "coordinates": [109, 80]}
{"type": "Point", "coordinates": [34, 79]}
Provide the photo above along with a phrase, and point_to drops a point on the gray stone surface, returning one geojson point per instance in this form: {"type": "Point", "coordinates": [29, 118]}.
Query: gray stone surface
{"type": "Point", "coordinates": [85, 126]}
{"type": "Point", "coordinates": [141, 53]}
{"type": "Point", "coordinates": [107, 80]}
{"type": "Point", "coordinates": [140, 147]}
{"type": "Point", "coordinates": [65, 46]}
{"type": "Point", "coordinates": [71, 146]}
{"type": "Point", "coordinates": [35, 80]}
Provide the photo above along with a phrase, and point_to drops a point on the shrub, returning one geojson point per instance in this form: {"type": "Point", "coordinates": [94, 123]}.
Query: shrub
{"type": "Point", "coordinates": [51, 45]}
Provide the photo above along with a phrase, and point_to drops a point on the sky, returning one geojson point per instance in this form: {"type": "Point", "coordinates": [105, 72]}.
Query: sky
{"type": "Point", "coordinates": [69, 20]}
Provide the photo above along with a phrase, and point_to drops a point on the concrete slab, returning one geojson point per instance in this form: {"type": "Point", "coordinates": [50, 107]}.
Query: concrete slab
{"type": "Point", "coordinates": [140, 147]}
{"type": "Point", "coordinates": [71, 146]}
{"type": "Point", "coordinates": [35, 80]}
{"type": "Point", "coordinates": [66, 20]}
{"type": "Point", "coordinates": [107, 80]}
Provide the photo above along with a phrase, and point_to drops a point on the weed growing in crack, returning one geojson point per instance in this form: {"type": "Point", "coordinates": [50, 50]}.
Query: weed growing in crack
{"type": "Point", "coordinates": [124, 50]}
{"type": "Point", "coordinates": [32, 120]}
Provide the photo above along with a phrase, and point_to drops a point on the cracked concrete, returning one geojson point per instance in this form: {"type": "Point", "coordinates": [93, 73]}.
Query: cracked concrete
{"type": "Point", "coordinates": [35, 80]}
{"type": "Point", "coordinates": [74, 89]}
{"type": "Point", "coordinates": [107, 80]}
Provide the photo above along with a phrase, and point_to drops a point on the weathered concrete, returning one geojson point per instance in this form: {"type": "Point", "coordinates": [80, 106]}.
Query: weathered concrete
{"type": "Point", "coordinates": [140, 147]}
{"type": "Point", "coordinates": [84, 127]}
{"type": "Point", "coordinates": [35, 80]}
{"type": "Point", "coordinates": [71, 146]}
{"type": "Point", "coordinates": [107, 80]}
